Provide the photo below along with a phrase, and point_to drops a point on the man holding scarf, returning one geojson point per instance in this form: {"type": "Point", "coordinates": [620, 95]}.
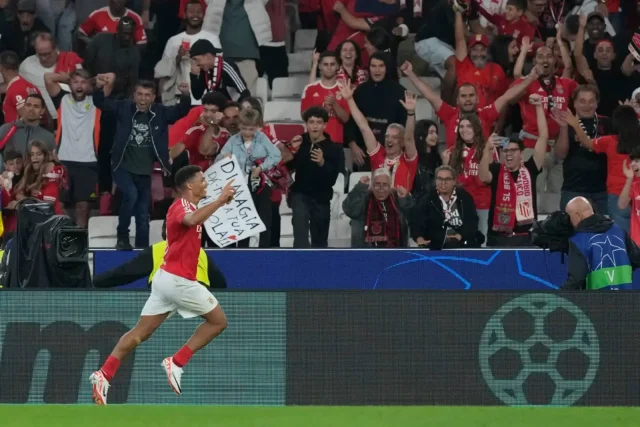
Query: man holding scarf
{"type": "Point", "coordinates": [513, 185]}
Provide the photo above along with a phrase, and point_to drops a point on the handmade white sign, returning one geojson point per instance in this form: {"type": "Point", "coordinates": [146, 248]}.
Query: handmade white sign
{"type": "Point", "coordinates": [239, 219]}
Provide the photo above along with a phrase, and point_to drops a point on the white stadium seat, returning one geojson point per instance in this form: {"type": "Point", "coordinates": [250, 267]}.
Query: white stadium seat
{"type": "Point", "coordinates": [262, 90]}
{"type": "Point", "coordinates": [102, 231]}
{"type": "Point", "coordinates": [155, 231]}
{"type": "Point", "coordinates": [340, 233]}
{"type": "Point", "coordinates": [300, 62]}
{"type": "Point", "coordinates": [289, 87]}
{"type": "Point", "coordinates": [433, 82]}
{"type": "Point", "coordinates": [282, 110]}
{"type": "Point", "coordinates": [424, 110]}
{"type": "Point", "coordinates": [305, 40]}
{"type": "Point", "coordinates": [354, 178]}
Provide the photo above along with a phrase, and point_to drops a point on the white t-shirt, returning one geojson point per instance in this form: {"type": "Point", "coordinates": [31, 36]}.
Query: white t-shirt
{"type": "Point", "coordinates": [32, 71]}
{"type": "Point", "coordinates": [166, 67]}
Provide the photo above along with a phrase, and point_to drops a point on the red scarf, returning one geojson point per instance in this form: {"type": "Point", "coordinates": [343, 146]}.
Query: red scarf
{"type": "Point", "coordinates": [214, 77]}
{"type": "Point", "coordinates": [383, 223]}
{"type": "Point", "coordinates": [514, 200]}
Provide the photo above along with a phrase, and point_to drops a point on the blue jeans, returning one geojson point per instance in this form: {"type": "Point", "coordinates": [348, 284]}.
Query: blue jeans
{"type": "Point", "coordinates": [600, 201]}
{"type": "Point", "coordinates": [622, 217]}
{"type": "Point", "coordinates": [136, 202]}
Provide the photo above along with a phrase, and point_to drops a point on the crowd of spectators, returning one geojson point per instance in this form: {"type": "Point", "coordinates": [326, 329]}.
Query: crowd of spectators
{"type": "Point", "coordinates": [532, 103]}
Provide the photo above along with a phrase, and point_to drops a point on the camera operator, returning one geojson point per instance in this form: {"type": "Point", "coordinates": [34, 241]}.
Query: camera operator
{"type": "Point", "coordinates": [601, 253]}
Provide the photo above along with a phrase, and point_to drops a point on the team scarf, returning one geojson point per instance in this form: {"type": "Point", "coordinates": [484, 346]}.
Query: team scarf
{"type": "Point", "coordinates": [447, 205]}
{"type": "Point", "coordinates": [383, 223]}
{"type": "Point", "coordinates": [469, 160]}
{"type": "Point", "coordinates": [417, 7]}
{"type": "Point", "coordinates": [214, 77]}
{"type": "Point", "coordinates": [514, 200]}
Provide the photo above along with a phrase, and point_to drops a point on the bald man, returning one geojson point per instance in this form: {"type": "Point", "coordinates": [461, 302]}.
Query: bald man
{"type": "Point", "coordinates": [601, 253]}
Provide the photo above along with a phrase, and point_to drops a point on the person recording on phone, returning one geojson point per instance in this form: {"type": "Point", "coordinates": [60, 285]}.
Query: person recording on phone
{"type": "Point", "coordinates": [513, 185]}
{"type": "Point", "coordinates": [602, 256]}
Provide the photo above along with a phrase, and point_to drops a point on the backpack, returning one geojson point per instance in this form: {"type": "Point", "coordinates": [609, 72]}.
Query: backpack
{"type": "Point", "coordinates": [553, 233]}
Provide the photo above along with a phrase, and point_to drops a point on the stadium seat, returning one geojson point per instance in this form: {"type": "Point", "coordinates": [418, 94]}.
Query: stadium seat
{"type": "Point", "coordinates": [102, 231]}
{"type": "Point", "coordinates": [354, 178]}
{"type": "Point", "coordinates": [305, 40]}
{"type": "Point", "coordinates": [284, 207]}
{"type": "Point", "coordinates": [262, 90]}
{"type": "Point", "coordinates": [300, 62]}
{"type": "Point", "coordinates": [286, 131]}
{"type": "Point", "coordinates": [338, 187]}
{"type": "Point", "coordinates": [289, 87]}
{"type": "Point", "coordinates": [340, 233]}
{"type": "Point", "coordinates": [433, 82]}
{"type": "Point", "coordinates": [424, 110]}
{"type": "Point", "coordinates": [282, 111]}
{"type": "Point", "coordinates": [155, 231]}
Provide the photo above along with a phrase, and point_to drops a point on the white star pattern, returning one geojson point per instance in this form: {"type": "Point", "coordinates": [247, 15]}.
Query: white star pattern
{"type": "Point", "coordinates": [607, 249]}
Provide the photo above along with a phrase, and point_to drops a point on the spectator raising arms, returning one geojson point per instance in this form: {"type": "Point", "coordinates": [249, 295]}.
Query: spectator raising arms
{"type": "Point", "coordinates": [378, 212]}
{"type": "Point", "coordinates": [42, 177]}
{"type": "Point", "coordinates": [445, 218]}
{"type": "Point", "coordinates": [630, 194]}
{"type": "Point", "coordinates": [513, 186]}
{"type": "Point", "coordinates": [399, 154]}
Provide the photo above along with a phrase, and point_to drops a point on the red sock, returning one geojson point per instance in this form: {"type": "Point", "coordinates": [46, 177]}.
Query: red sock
{"type": "Point", "coordinates": [182, 356]}
{"type": "Point", "coordinates": [110, 367]}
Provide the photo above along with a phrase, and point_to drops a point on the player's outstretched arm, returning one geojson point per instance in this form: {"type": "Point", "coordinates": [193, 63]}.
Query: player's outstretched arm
{"type": "Point", "coordinates": [200, 215]}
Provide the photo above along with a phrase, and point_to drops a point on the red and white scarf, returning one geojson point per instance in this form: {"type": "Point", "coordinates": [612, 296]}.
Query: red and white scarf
{"type": "Point", "coordinates": [417, 7]}
{"type": "Point", "coordinates": [214, 77]}
{"type": "Point", "coordinates": [514, 200]}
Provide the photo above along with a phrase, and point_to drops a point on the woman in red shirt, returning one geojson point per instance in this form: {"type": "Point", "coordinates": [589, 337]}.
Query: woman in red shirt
{"type": "Point", "coordinates": [42, 177]}
{"type": "Point", "coordinates": [617, 147]}
{"type": "Point", "coordinates": [465, 159]}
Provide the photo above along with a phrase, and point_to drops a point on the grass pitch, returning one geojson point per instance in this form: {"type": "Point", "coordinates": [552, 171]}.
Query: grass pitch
{"type": "Point", "coordinates": [374, 416]}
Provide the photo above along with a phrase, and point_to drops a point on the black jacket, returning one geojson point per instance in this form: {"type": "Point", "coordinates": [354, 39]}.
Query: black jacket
{"type": "Point", "coordinates": [312, 180]}
{"type": "Point", "coordinates": [427, 220]}
{"type": "Point", "coordinates": [13, 38]}
{"type": "Point", "coordinates": [423, 183]}
{"type": "Point", "coordinates": [380, 104]}
{"type": "Point", "coordinates": [577, 267]}
{"type": "Point", "coordinates": [231, 77]}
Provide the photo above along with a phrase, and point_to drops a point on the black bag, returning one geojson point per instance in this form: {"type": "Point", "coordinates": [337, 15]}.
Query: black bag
{"type": "Point", "coordinates": [553, 233]}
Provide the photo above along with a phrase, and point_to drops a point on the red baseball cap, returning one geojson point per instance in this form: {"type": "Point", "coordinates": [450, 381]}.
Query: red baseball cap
{"type": "Point", "coordinates": [478, 39]}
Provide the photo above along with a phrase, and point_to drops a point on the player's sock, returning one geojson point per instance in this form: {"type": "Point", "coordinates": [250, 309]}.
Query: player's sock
{"type": "Point", "coordinates": [182, 356]}
{"type": "Point", "coordinates": [110, 367]}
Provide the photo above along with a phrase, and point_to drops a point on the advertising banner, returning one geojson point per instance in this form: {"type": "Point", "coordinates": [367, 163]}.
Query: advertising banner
{"type": "Point", "coordinates": [239, 219]}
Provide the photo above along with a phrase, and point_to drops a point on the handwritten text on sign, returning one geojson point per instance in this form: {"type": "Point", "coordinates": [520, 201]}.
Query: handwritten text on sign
{"type": "Point", "coordinates": [239, 219]}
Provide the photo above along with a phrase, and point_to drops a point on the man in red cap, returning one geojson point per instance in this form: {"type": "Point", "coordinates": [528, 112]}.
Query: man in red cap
{"type": "Point", "coordinates": [473, 66]}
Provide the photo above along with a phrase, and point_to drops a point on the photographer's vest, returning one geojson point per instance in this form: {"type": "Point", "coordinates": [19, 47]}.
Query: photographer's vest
{"type": "Point", "coordinates": [202, 274]}
{"type": "Point", "coordinates": [606, 257]}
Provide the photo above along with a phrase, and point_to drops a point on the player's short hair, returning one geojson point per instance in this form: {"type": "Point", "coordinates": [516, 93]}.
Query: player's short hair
{"type": "Point", "coordinates": [250, 118]}
{"type": "Point", "coordinates": [635, 153]}
{"type": "Point", "coordinates": [185, 175]}
{"type": "Point", "coordinates": [586, 88]}
{"type": "Point", "coordinates": [317, 112]}
{"type": "Point", "coordinates": [215, 98]}
{"type": "Point", "coordinates": [518, 4]}
{"type": "Point", "coordinates": [146, 84]}
{"type": "Point", "coordinates": [9, 60]}
{"type": "Point", "coordinates": [37, 96]}
{"type": "Point", "coordinates": [12, 155]}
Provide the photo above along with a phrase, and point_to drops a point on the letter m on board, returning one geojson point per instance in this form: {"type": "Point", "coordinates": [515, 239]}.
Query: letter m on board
{"type": "Point", "coordinates": [67, 344]}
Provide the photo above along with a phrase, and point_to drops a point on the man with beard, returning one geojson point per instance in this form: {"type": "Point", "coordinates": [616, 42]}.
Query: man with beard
{"type": "Point", "coordinates": [473, 66]}
{"type": "Point", "coordinates": [584, 171]}
{"type": "Point", "coordinates": [556, 93]}
{"type": "Point", "coordinates": [513, 185]}
{"type": "Point", "coordinates": [16, 89]}
{"type": "Point", "coordinates": [399, 154]}
{"type": "Point", "coordinates": [106, 20]}
{"type": "Point", "coordinates": [467, 102]}
{"type": "Point", "coordinates": [613, 81]}
{"type": "Point", "coordinates": [210, 71]}
{"type": "Point", "coordinates": [16, 35]}
{"type": "Point", "coordinates": [595, 27]}
{"type": "Point", "coordinates": [78, 138]}
{"type": "Point", "coordinates": [175, 65]}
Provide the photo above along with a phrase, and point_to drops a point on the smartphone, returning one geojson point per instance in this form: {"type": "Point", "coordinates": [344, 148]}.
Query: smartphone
{"type": "Point", "coordinates": [504, 141]}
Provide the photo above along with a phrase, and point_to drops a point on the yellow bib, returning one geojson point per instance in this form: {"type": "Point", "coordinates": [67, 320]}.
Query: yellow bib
{"type": "Point", "coordinates": [202, 274]}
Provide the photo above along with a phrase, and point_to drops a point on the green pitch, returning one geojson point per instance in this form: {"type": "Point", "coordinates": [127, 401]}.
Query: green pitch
{"type": "Point", "coordinates": [378, 416]}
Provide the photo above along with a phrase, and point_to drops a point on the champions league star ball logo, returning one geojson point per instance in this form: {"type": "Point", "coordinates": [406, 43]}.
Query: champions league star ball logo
{"type": "Point", "coordinates": [539, 349]}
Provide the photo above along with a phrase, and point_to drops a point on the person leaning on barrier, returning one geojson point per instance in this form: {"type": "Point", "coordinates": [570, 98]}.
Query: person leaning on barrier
{"type": "Point", "coordinates": [149, 260]}
{"type": "Point", "coordinates": [601, 253]}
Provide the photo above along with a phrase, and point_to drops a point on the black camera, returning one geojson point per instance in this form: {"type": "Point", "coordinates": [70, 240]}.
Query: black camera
{"type": "Point", "coordinates": [553, 233]}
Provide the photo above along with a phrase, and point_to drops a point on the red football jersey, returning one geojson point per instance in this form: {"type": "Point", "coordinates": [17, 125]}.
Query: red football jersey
{"type": "Point", "coordinates": [183, 243]}
{"type": "Point", "coordinates": [102, 21]}
{"type": "Point", "coordinates": [403, 170]}
{"type": "Point", "coordinates": [490, 81]}
{"type": "Point", "coordinates": [192, 145]}
{"type": "Point", "coordinates": [560, 96]}
{"type": "Point", "coordinates": [18, 90]}
{"type": "Point", "coordinates": [314, 95]}
{"type": "Point", "coordinates": [450, 116]}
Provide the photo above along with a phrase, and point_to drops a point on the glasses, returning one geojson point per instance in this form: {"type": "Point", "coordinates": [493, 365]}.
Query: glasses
{"type": "Point", "coordinates": [510, 150]}
{"type": "Point", "coordinates": [381, 185]}
{"type": "Point", "coordinates": [447, 180]}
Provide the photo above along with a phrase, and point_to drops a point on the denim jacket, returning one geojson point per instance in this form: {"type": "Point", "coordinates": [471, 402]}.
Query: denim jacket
{"type": "Point", "coordinates": [261, 149]}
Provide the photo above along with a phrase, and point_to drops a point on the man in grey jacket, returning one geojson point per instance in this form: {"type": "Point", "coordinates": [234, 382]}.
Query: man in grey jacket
{"type": "Point", "coordinates": [16, 136]}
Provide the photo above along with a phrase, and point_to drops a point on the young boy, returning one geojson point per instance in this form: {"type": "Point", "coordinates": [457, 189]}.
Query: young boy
{"type": "Point", "coordinates": [630, 194]}
{"type": "Point", "coordinates": [513, 23]}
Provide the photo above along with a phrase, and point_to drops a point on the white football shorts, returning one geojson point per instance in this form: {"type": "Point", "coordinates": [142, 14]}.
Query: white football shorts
{"type": "Point", "coordinates": [171, 293]}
